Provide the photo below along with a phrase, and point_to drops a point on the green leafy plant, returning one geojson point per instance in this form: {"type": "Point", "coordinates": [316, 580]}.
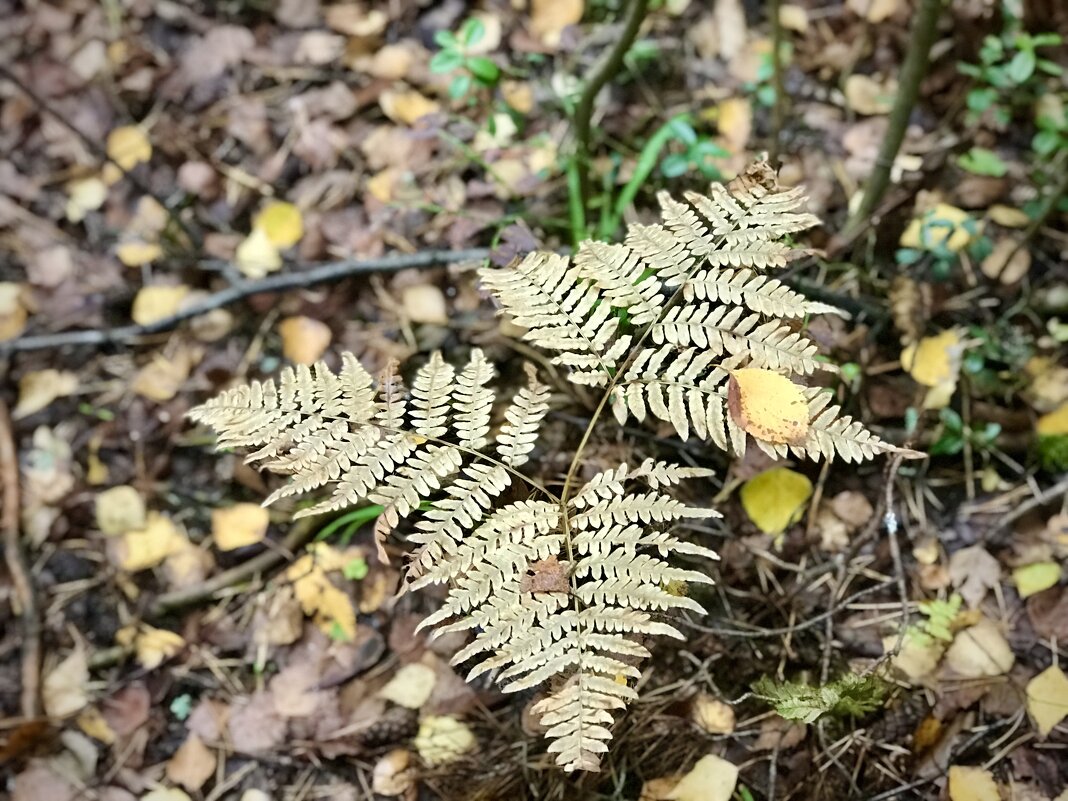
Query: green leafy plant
{"type": "Point", "coordinates": [455, 56]}
{"type": "Point", "coordinates": [1006, 72]}
{"type": "Point", "coordinates": [938, 625]}
{"type": "Point", "coordinates": [981, 161]}
{"type": "Point", "coordinates": [953, 435]}
{"type": "Point", "coordinates": [849, 695]}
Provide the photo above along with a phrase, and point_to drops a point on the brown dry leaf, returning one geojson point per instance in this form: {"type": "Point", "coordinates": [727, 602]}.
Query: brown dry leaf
{"type": "Point", "coordinates": [164, 375]}
{"type": "Point", "coordinates": [254, 726]}
{"type": "Point", "coordinates": [319, 48]}
{"type": "Point", "coordinates": [405, 106]}
{"type": "Point", "coordinates": [40, 388]}
{"type": "Point", "coordinates": [239, 525]}
{"type": "Point", "coordinates": [410, 686]}
{"type": "Point", "coordinates": [867, 96]}
{"type": "Point", "coordinates": [13, 311]}
{"type": "Point", "coordinates": [768, 405]}
{"type": "Point", "coordinates": [119, 509]}
{"type": "Point", "coordinates": [546, 575]}
{"type": "Point", "coordinates": [980, 651]}
{"type": "Point", "coordinates": [304, 340]}
{"type": "Point", "coordinates": [973, 572]}
{"type": "Point", "coordinates": [65, 688]}
{"type": "Point", "coordinates": [1008, 262]}
{"type": "Point", "coordinates": [425, 303]}
{"type": "Point", "coordinates": [548, 18]}
{"type": "Point", "coordinates": [394, 773]}
{"type": "Point", "coordinates": [279, 619]}
{"type": "Point", "coordinates": [295, 690]}
{"type": "Point", "coordinates": [154, 303]}
{"type": "Point", "coordinates": [1047, 698]}
{"type": "Point", "coordinates": [712, 715]}
{"type": "Point", "coordinates": [192, 764]}
{"type": "Point", "coordinates": [148, 547]}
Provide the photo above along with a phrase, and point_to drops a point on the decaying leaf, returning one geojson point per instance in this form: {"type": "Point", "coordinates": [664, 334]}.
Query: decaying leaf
{"type": "Point", "coordinates": [119, 509]}
{"type": "Point", "coordinates": [1047, 698]}
{"type": "Point", "coordinates": [154, 303]}
{"type": "Point", "coordinates": [38, 389]}
{"type": "Point", "coordinates": [1036, 577]}
{"type": "Point", "coordinates": [411, 686]}
{"type": "Point", "coordinates": [973, 572]}
{"type": "Point", "coordinates": [304, 339]}
{"type": "Point", "coordinates": [443, 739]}
{"type": "Point", "coordinates": [980, 651]}
{"type": "Point", "coordinates": [192, 764]}
{"type": "Point", "coordinates": [65, 688]}
{"type": "Point", "coordinates": [239, 525]}
{"type": "Point", "coordinates": [768, 405]}
{"type": "Point", "coordinates": [776, 498]}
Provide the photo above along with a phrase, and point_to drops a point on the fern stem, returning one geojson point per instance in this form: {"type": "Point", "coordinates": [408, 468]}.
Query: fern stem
{"type": "Point", "coordinates": [921, 39]}
{"type": "Point", "coordinates": [602, 73]}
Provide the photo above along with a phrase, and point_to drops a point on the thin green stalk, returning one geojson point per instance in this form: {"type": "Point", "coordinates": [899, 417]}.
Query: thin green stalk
{"type": "Point", "coordinates": [777, 110]}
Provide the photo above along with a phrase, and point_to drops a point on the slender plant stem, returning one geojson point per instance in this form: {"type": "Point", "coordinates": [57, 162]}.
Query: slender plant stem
{"type": "Point", "coordinates": [922, 37]}
{"type": "Point", "coordinates": [602, 73]}
{"type": "Point", "coordinates": [778, 109]}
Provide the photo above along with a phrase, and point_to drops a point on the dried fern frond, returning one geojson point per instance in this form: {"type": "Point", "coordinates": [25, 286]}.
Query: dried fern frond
{"type": "Point", "coordinates": [608, 316]}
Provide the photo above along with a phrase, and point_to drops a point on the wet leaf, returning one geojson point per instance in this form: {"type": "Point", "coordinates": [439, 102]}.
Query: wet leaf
{"type": "Point", "coordinates": [238, 526]}
{"type": "Point", "coordinates": [776, 498]}
{"type": "Point", "coordinates": [1047, 698]}
{"type": "Point", "coordinates": [768, 405]}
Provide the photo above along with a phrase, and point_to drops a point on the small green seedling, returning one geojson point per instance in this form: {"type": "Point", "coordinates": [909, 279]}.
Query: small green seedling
{"type": "Point", "coordinates": [954, 434]}
{"type": "Point", "coordinates": [455, 56]}
{"type": "Point", "coordinates": [1006, 72]}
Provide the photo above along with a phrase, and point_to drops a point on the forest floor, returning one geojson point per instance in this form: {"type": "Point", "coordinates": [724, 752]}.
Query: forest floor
{"type": "Point", "coordinates": [196, 194]}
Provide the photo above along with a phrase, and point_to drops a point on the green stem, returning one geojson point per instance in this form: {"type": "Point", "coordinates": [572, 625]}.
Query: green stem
{"type": "Point", "coordinates": [777, 110]}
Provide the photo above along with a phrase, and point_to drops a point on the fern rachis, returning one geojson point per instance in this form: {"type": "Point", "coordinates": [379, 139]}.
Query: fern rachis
{"type": "Point", "coordinates": [564, 586]}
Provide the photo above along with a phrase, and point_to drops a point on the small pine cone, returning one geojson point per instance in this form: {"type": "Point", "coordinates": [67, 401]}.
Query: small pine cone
{"type": "Point", "coordinates": [397, 725]}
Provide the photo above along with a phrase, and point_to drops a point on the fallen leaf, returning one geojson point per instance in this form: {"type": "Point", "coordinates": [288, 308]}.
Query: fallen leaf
{"type": "Point", "coordinates": [874, 10]}
{"type": "Point", "coordinates": [519, 95]}
{"type": "Point", "coordinates": [128, 146]}
{"type": "Point", "coordinates": [238, 525]}
{"type": "Point", "coordinates": [870, 97]}
{"type": "Point", "coordinates": [40, 388]}
{"type": "Point", "coordinates": [425, 303]}
{"type": "Point", "coordinates": [734, 120]}
{"type": "Point", "coordinates": [1047, 698]}
{"type": "Point", "coordinates": [793, 17]}
{"type": "Point", "coordinates": [546, 575]}
{"type": "Point", "coordinates": [712, 715]}
{"type": "Point", "coordinates": [917, 658]}
{"type": "Point", "coordinates": [136, 253]}
{"type": "Point", "coordinates": [943, 226]}
{"type": "Point", "coordinates": [83, 196]}
{"type": "Point", "coordinates": [548, 18]}
{"type": "Point", "coordinates": [162, 378]}
{"type": "Point", "coordinates": [731, 27]}
{"type": "Point", "coordinates": [980, 651]}
{"type": "Point", "coordinates": [711, 779]}
{"type": "Point", "coordinates": [166, 794]}
{"type": "Point", "coordinates": [776, 498]}
{"type": "Point", "coordinates": [119, 509]}
{"type": "Point", "coordinates": [1008, 262]}
{"type": "Point", "coordinates": [935, 361]}
{"type": "Point", "coordinates": [1007, 216]}
{"type": "Point", "coordinates": [331, 607]}
{"type": "Point", "coordinates": [257, 256]}
{"type": "Point", "coordinates": [405, 106]}
{"type": "Point", "coordinates": [393, 774]}
{"type": "Point", "coordinates": [148, 547]}
{"type": "Point", "coordinates": [304, 339]}
{"type": "Point", "coordinates": [972, 784]}
{"type": "Point", "coordinates": [192, 764]}
{"type": "Point", "coordinates": [973, 571]}
{"type": "Point", "coordinates": [1036, 577]}
{"type": "Point", "coordinates": [154, 303]}
{"type": "Point", "coordinates": [354, 19]}
{"type": "Point", "coordinates": [442, 739]}
{"type": "Point", "coordinates": [64, 689]}
{"type": "Point", "coordinates": [767, 405]}
{"type": "Point", "coordinates": [282, 223]}
{"type": "Point", "coordinates": [152, 646]}
{"type": "Point", "coordinates": [1055, 423]}
{"type": "Point", "coordinates": [410, 686]}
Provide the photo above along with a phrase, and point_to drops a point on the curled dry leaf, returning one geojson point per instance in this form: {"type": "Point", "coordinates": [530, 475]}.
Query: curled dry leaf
{"type": "Point", "coordinates": [152, 646]}
{"type": "Point", "coordinates": [40, 388]}
{"type": "Point", "coordinates": [239, 525]}
{"type": "Point", "coordinates": [393, 774]}
{"type": "Point", "coordinates": [768, 405]}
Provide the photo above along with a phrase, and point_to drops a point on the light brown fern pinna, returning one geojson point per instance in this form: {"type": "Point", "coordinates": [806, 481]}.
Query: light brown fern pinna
{"type": "Point", "coordinates": [681, 321]}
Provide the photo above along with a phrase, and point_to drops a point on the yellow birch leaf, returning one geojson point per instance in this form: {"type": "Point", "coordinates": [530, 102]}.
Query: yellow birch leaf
{"type": "Point", "coordinates": [282, 223]}
{"type": "Point", "coordinates": [548, 18]}
{"type": "Point", "coordinates": [83, 196]}
{"type": "Point", "coordinates": [735, 123]}
{"type": "Point", "coordinates": [1035, 578]}
{"type": "Point", "coordinates": [711, 779]}
{"type": "Point", "coordinates": [410, 686]}
{"type": "Point", "coordinates": [40, 388]}
{"type": "Point", "coordinates": [257, 255]}
{"type": "Point", "coordinates": [119, 509]}
{"type": "Point", "coordinates": [442, 739]}
{"type": "Point", "coordinates": [1055, 423]}
{"type": "Point", "coordinates": [980, 651]}
{"type": "Point", "coordinates": [712, 715]}
{"type": "Point", "coordinates": [155, 646]}
{"type": "Point", "coordinates": [406, 106]}
{"type": "Point", "coordinates": [136, 253]}
{"type": "Point", "coordinates": [1008, 217]}
{"type": "Point", "coordinates": [1047, 698]}
{"type": "Point", "coordinates": [65, 688]}
{"type": "Point", "coordinates": [767, 405]}
{"type": "Point", "coordinates": [330, 607]}
{"type": "Point", "coordinates": [972, 784]}
{"type": "Point", "coordinates": [304, 339]}
{"type": "Point", "coordinates": [935, 361]}
{"type": "Point", "coordinates": [128, 146]}
{"type": "Point", "coordinates": [776, 498]}
{"type": "Point", "coordinates": [148, 547]}
{"type": "Point", "coordinates": [238, 525]}
{"type": "Point", "coordinates": [154, 303]}
{"type": "Point", "coordinates": [93, 724]}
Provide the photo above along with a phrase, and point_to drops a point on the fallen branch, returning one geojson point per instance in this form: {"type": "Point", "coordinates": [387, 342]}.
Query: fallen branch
{"type": "Point", "coordinates": [282, 282]}
{"type": "Point", "coordinates": [25, 597]}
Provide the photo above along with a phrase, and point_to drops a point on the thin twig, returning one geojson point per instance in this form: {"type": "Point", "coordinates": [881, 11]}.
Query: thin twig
{"type": "Point", "coordinates": [321, 274]}
{"type": "Point", "coordinates": [602, 73]}
{"type": "Point", "coordinates": [16, 566]}
{"type": "Point", "coordinates": [778, 109]}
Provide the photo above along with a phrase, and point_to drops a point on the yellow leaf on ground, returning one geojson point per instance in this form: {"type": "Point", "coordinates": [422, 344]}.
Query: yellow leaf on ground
{"type": "Point", "coordinates": [163, 376]}
{"type": "Point", "coordinates": [1034, 578]}
{"type": "Point", "coordinates": [972, 784]}
{"type": "Point", "coordinates": [83, 196]}
{"type": "Point", "coordinates": [304, 340]}
{"type": "Point", "coordinates": [192, 764]}
{"type": "Point", "coordinates": [867, 96]}
{"type": "Point", "coordinates": [128, 146]}
{"type": "Point", "coordinates": [410, 686]}
{"type": "Point", "coordinates": [711, 779]}
{"type": "Point", "coordinates": [405, 106]}
{"type": "Point", "coordinates": [735, 122]}
{"type": "Point", "coordinates": [793, 17]}
{"type": "Point", "coordinates": [154, 303]}
{"type": "Point", "coordinates": [1008, 262]}
{"type": "Point", "coordinates": [238, 525]}
{"type": "Point", "coordinates": [1047, 698]}
{"type": "Point", "coordinates": [980, 651]}
{"type": "Point", "coordinates": [935, 361]}
{"type": "Point", "coordinates": [257, 255]}
{"type": "Point", "coordinates": [119, 509]}
{"type": "Point", "coordinates": [519, 95]}
{"type": "Point", "coordinates": [1055, 423]}
{"type": "Point", "coordinates": [282, 222]}
{"type": "Point", "coordinates": [1008, 217]}
{"type": "Point", "coordinates": [393, 774]}
{"type": "Point", "coordinates": [136, 253]}
{"type": "Point", "coordinates": [166, 794]}
{"type": "Point", "coordinates": [425, 303]}
{"type": "Point", "coordinates": [442, 739]}
{"type": "Point", "coordinates": [153, 646]}
{"type": "Point", "coordinates": [776, 498]}
{"type": "Point", "coordinates": [64, 690]}
{"type": "Point", "coordinates": [94, 725]}
{"type": "Point", "coordinates": [148, 547]}
{"type": "Point", "coordinates": [331, 608]}
{"type": "Point", "coordinates": [943, 226]}
{"type": "Point", "coordinates": [12, 310]}
{"type": "Point", "coordinates": [548, 18]}
{"type": "Point", "coordinates": [40, 388]}
{"type": "Point", "coordinates": [767, 405]}
{"type": "Point", "coordinates": [712, 715]}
